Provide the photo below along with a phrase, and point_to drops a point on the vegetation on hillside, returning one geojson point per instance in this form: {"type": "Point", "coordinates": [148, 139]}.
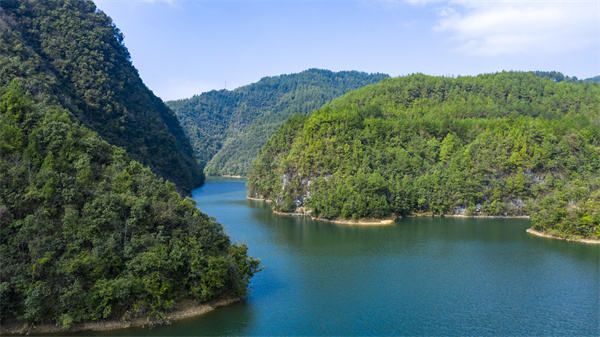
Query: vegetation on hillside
{"type": "Point", "coordinates": [498, 144]}
{"type": "Point", "coordinates": [86, 233]}
{"type": "Point", "coordinates": [68, 53]}
{"type": "Point", "coordinates": [593, 79]}
{"type": "Point", "coordinates": [227, 128]}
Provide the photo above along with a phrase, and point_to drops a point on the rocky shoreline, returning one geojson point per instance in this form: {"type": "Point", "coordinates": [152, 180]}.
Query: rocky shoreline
{"type": "Point", "coordinates": [259, 199]}
{"type": "Point", "coordinates": [184, 310]}
{"type": "Point", "coordinates": [357, 222]}
{"type": "Point", "coordinates": [302, 211]}
{"type": "Point", "coordinates": [476, 216]}
{"type": "Point", "coordinates": [554, 237]}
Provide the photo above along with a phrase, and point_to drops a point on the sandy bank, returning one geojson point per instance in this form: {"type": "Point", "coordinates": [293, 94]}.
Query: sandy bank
{"type": "Point", "coordinates": [382, 222]}
{"type": "Point", "coordinates": [358, 222]}
{"type": "Point", "coordinates": [304, 211]}
{"type": "Point", "coordinates": [488, 216]}
{"type": "Point", "coordinates": [184, 310]}
{"type": "Point", "coordinates": [258, 199]}
{"type": "Point", "coordinates": [229, 176]}
{"type": "Point", "coordinates": [550, 236]}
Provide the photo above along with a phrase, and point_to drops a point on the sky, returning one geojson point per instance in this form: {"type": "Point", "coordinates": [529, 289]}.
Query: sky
{"type": "Point", "coordinates": [185, 47]}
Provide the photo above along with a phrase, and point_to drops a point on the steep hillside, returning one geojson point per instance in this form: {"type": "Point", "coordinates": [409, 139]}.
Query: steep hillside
{"type": "Point", "coordinates": [66, 52]}
{"type": "Point", "coordinates": [86, 233]}
{"type": "Point", "coordinates": [227, 128]}
{"type": "Point", "coordinates": [498, 144]}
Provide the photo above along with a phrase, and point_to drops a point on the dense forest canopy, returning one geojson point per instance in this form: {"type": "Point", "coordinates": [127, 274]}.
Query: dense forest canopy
{"type": "Point", "coordinates": [68, 53]}
{"type": "Point", "coordinates": [86, 233]}
{"type": "Point", "coordinates": [509, 143]}
{"type": "Point", "coordinates": [227, 128]}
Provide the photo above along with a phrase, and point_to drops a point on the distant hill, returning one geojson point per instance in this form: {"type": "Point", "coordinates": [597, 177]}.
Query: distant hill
{"type": "Point", "coordinates": [560, 77]}
{"type": "Point", "coordinates": [593, 79]}
{"type": "Point", "coordinates": [509, 143]}
{"type": "Point", "coordinates": [556, 76]}
{"type": "Point", "coordinates": [70, 54]}
{"type": "Point", "coordinates": [227, 128]}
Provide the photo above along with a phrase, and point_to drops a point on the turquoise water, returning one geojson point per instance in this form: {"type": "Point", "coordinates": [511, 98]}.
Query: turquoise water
{"type": "Point", "coordinates": [422, 276]}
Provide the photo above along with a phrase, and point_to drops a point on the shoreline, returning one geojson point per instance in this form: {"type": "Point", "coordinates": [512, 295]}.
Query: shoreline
{"type": "Point", "coordinates": [537, 233]}
{"type": "Point", "coordinates": [387, 222]}
{"type": "Point", "coordinates": [184, 310]}
{"type": "Point", "coordinates": [230, 176]}
{"type": "Point", "coordinates": [359, 222]}
{"type": "Point", "coordinates": [258, 199]}
{"type": "Point", "coordinates": [469, 216]}
{"type": "Point", "coordinates": [352, 222]}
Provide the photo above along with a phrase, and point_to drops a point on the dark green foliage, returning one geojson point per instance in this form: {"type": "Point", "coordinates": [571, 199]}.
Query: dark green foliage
{"type": "Point", "coordinates": [556, 76]}
{"type": "Point", "coordinates": [86, 233]}
{"type": "Point", "coordinates": [68, 53]}
{"type": "Point", "coordinates": [227, 128]}
{"type": "Point", "coordinates": [573, 210]}
{"type": "Point", "coordinates": [499, 144]}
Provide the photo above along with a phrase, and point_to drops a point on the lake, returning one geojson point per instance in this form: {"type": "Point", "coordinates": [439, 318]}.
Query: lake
{"type": "Point", "coordinates": [421, 276]}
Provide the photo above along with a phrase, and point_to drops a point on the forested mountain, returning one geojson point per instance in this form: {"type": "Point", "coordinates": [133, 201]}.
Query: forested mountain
{"type": "Point", "coordinates": [86, 233]}
{"type": "Point", "coordinates": [509, 143]}
{"type": "Point", "coordinates": [227, 128]}
{"type": "Point", "coordinates": [593, 79]}
{"type": "Point", "coordinates": [68, 53]}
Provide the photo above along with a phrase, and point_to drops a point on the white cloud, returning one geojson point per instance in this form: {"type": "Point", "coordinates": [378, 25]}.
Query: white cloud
{"type": "Point", "coordinates": [518, 27]}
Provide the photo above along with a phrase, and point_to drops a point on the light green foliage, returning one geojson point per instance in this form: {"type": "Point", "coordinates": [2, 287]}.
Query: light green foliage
{"type": "Point", "coordinates": [496, 144]}
{"type": "Point", "coordinates": [86, 233]}
{"type": "Point", "coordinates": [69, 54]}
{"type": "Point", "coordinates": [227, 128]}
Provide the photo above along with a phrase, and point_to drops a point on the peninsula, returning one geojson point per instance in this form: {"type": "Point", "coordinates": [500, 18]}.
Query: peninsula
{"type": "Point", "coordinates": [503, 144]}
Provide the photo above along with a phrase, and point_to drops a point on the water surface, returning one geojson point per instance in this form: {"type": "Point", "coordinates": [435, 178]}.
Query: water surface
{"type": "Point", "coordinates": [422, 276]}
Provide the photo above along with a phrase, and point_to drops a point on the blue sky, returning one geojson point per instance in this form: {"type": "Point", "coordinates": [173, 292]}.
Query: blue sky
{"type": "Point", "coordinates": [185, 47]}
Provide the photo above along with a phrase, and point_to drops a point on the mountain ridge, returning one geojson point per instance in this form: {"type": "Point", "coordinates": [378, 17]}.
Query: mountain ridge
{"type": "Point", "coordinates": [70, 53]}
{"type": "Point", "coordinates": [228, 127]}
